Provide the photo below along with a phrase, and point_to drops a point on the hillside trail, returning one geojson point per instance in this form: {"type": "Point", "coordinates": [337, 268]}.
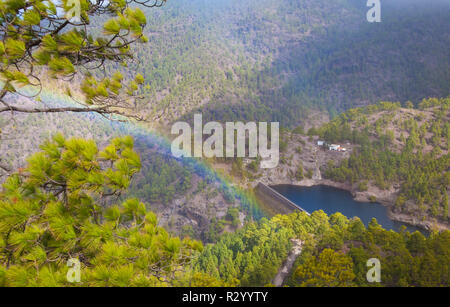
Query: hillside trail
{"type": "Point", "coordinates": [283, 272]}
{"type": "Point", "coordinates": [317, 175]}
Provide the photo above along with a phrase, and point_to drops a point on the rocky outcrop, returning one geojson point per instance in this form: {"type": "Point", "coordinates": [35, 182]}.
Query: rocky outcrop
{"type": "Point", "coordinates": [194, 208]}
{"type": "Point", "coordinates": [313, 158]}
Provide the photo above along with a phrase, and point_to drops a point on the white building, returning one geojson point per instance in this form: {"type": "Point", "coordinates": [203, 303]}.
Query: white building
{"type": "Point", "coordinates": [320, 143]}
{"type": "Point", "coordinates": [334, 147]}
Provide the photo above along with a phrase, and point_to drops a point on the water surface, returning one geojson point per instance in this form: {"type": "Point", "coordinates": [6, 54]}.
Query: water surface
{"type": "Point", "coordinates": [332, 200]}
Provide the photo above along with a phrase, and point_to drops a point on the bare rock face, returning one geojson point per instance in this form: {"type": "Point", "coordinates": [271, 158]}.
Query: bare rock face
{"type": "Point", "coordinates": [194, 209]}
{"type": "Point", "coordinates": [301, 151]}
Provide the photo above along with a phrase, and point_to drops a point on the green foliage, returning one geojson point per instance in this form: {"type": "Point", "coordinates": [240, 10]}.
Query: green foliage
{"type": "Point", "coordinates": [64, 205]}
{"type": "Point", "coordinates": [324, 61]}
{"type": "Point", "coordinates": [422, 173]}
{"type": "Point", "coordinates": [299, 130]}
{"type": "Point", "coordinates": [233, 216]}
{"type": "Point", "coordinates": [251, 255]}
{"type": "Point", "coordinates": [299, 173]}
{"type": "Point", "coordinates": [334, 253]}
{"type": "Point", "coordinates": [363, 186]}
{"type": "Point", "coordinates": [57, 38]}
{"type": "Point", "coordinates": [160, 180]}
{"type": "Point", "coordinates": [329, 269]}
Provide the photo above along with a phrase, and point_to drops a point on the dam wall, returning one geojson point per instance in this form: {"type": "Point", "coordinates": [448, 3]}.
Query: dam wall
{"type": "Point", "coordinates": [274, 202]}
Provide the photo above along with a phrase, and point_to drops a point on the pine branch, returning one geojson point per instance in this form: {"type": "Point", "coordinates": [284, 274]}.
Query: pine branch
{"type": "Point", "coordinates": [100, 110]}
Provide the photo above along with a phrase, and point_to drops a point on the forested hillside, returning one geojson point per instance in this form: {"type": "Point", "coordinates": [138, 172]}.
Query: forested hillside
{"type": "Point", "coordinates": [110, 194]}
{"type": "Point", "coordinates": [401, 148]}
{"type": "Point", "coordinates": [119, 243]}
{"type": "Point", "coordinates": [188, 197]}
{"type": "Point", "coordinates": [335, 252]}
{"type": "Point", "coordinates": [278, 59]}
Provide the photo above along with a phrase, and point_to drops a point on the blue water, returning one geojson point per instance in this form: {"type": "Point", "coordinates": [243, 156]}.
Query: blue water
{"type": "Point", "coordinates": [332, 200]}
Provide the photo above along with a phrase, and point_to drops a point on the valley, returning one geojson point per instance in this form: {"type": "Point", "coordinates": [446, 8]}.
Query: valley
{"type": "Point", "coordinates": [387, 128]}
{"type": "Point", "coordinates": [364, 116]}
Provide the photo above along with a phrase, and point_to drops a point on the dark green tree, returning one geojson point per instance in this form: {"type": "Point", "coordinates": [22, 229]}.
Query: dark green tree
{"type": "Point", "coordinates": [65, 205]}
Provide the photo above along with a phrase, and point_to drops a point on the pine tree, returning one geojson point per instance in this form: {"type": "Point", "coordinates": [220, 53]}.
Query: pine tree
{"type": "Point", "coordinates": [65, 205]}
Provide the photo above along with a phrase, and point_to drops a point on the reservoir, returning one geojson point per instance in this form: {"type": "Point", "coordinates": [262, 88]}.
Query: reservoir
{"type": "Point", "coordinates": [332, 200]}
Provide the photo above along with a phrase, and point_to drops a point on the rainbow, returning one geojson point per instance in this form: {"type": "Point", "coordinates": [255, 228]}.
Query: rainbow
{"type": "Point", "coordinates": [51, 97]}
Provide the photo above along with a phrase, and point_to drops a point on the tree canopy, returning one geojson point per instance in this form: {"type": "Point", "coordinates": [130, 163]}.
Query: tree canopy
{"type": "Point", "coordinates": [62, 39]}
{"type": "Point", "coordinates": [65, 205]}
